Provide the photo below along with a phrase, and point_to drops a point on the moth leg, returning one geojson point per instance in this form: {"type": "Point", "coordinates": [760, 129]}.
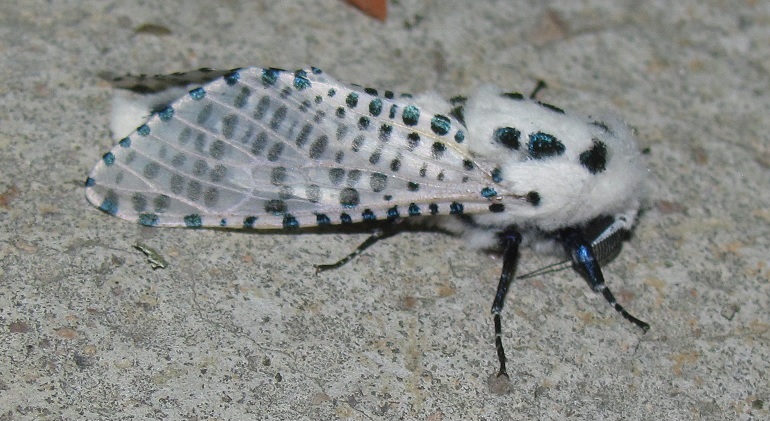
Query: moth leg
{"type": "Point", "coordinates": [585, 262]}
{"type": "Point", "coordinates": [382, 233]}
{"type": "Point", "coordinates": [510, 241]}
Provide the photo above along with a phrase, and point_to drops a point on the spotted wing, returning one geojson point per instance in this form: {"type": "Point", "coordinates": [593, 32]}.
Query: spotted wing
{"type": "Point", "coordinates": [266, 148]}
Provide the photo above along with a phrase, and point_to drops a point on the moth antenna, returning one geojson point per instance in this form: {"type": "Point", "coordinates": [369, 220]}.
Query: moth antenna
{"type": "Point", "coordinates": [606, 245]}
{"type": "Point", "coordinates": [552, 268]}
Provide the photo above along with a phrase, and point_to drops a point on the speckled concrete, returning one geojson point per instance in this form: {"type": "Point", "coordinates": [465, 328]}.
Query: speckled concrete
{"type": "Point", "coordinates": [239, 326]}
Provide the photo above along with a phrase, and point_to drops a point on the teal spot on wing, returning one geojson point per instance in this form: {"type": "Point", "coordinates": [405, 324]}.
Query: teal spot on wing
{"type": "Point", "coordinates": [232, 78]}
{"type": "Point", "coordinates": [149, 219]}
{"type": "Point", "coordinates": [166, 114]}
{"type": "Point", "coordinates": [193, 221]}
{"type": "Point", "coordinates": [110, 204]}
{"type": "Point", "coordinates": [440, 124]}
{"type": "Point", "coordinates": [197, 94]}
{"type": "Point", "coordinates": [269, 76]}
{"type": "Point", "coordinates": [411, 115]}
{"type": "Point", "coordinates": [488, 192]}
{"type": "Point", "coordinates": [300, 80]}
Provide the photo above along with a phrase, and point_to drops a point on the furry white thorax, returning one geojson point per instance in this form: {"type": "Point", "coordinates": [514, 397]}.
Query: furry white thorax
{"type": "Point", "coordinates": [571, 195]}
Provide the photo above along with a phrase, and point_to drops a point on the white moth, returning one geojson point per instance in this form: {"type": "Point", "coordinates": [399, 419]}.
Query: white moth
{"type": "Point", "coordinates": [267, 148]}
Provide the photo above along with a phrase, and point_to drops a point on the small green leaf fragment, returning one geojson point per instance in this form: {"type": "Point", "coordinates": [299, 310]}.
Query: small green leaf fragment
{"type": "Point", "coordinates": [155, 259]}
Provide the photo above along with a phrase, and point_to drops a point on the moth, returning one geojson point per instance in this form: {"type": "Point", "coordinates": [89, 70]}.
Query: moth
{"type": "Point", "coordinates": [264, 148]}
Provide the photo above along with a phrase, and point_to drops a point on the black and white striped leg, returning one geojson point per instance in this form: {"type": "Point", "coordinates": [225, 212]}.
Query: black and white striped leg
{"type": "Point", "coordinates": [388, 230]}
{"type": "Point", "coordinates": [510, 241]}
{"type": "Point", "coordinates": [584, 261]}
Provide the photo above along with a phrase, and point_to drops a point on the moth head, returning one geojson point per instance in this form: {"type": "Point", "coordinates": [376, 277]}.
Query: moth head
{"type": "Point", "coordinates": [555, 168]}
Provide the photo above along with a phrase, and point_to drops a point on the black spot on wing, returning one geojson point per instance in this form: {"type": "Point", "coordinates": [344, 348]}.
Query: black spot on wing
{"type": "Point", "coordinates": [349, 197]}
{"type": "Point", "coordinates": [385, 132]}
{"type": "Point", "coordinates": [313, 193]}
{"type": "Point", "coordinates": [275, 206]}
{"type": "Point", "coordinates": [243, 97]}
{"type": "Point", "coordinates": [353, 177]}
{"type": "Point", "coordinates": [263, 105]}
{"type": "Point", "coordinates": [139, 202]}
{"type": "Point", "coordinates": [278, 118]}
{"type": "Point", "coordinates": [336, 175]}
{"type": "Point", "coordinates": [278, 175]}
{"type": "Point", "coordinates": [440, 124]}
{"type": "Point", "coordinates": [229, 125]}
{"type": "Point", "coordinates": [260, 142]}
{"type": "Point", "coordinates": [151, 170]}
{"type": "Point", "coordinates": [319, 147]}
{"type": "Point", "coordinates": [303, 135]}
{"type": "Point", "coordinates": [286, 192]}
{"type": "Point", "coordinates": [161, 203]}
{"type": "Point", "coordinates": [378, 182]}
{"type": "Point", "coordinates": [412, 141]}
{"type": "Point", "coordinates": [374, 158]}
{"type": "Point", "coordinates": [275, 151]}
{"type": "Point", "coordinates": [204, 114]}
{"type": "Point", "coordinates": [437, 150]}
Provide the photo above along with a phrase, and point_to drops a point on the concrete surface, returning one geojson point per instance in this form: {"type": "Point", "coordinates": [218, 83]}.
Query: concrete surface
{"type": "Point", "coordinates": [239, 326]}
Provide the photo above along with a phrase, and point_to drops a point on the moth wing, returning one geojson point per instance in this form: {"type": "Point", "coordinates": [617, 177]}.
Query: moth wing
{"type": "Point", "coordinates": [266, 148]}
